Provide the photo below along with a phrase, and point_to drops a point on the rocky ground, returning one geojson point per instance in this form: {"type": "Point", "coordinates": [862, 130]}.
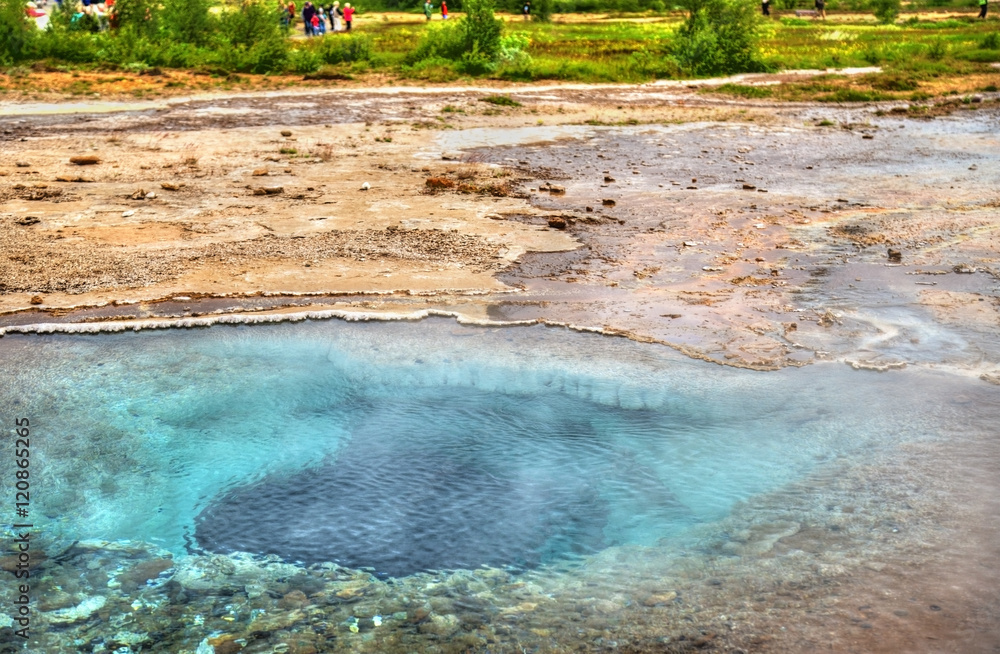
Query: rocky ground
{"type": "Point", "coordinates": [728, 230]}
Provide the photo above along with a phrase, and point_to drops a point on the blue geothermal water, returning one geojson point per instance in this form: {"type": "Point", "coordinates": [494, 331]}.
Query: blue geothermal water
{"type": "Point", "coordinates": [405, 447]}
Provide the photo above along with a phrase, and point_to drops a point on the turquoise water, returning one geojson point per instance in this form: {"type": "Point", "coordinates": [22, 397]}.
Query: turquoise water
{"type": "Point", "coordinates": [403, 448]}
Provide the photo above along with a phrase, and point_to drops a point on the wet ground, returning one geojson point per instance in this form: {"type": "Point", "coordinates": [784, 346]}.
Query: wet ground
{"type": "Point", "coordinates": [745, 234]}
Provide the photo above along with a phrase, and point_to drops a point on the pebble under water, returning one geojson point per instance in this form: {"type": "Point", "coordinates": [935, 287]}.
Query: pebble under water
{"type": "Point", "coordinates": [427, 486]}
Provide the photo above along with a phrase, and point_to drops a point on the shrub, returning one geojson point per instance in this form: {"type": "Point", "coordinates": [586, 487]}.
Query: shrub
{"type": "Point", "coordinates": [304, 60]}
{"type": "Point", "coordinates": [251, 39]}
{"type": "Point", "coordinates": [481, 30]}
{"type": "Point", "coordinates": [474, 44]}
{"type": "Point", "coordinates": [501, 100]}
{"type": "Point", "coordinates": [188, 21]}
{"type": "Point", "coordinates": [886, 10]}
{"type": "Point", "coordinates": [346, 48]}
{"type": "Point", "coordinates": [16, 31]}
{"type": "Point", "coordinates": [719, 37]}
{"type": "Point", "coordinates": [991, 41]}
{"type": "Point", "coordinates": [937, 50]}
{"type": "Point", "coordinates": [744, 91]}
{"type": "Point", "coordinates": [139, 17]}
{"type": "Point", "coordinates": [542, 11]}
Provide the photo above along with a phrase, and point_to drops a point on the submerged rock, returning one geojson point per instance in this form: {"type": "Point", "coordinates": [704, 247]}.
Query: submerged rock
{"type": "Point", "coordinates": [81, 611]}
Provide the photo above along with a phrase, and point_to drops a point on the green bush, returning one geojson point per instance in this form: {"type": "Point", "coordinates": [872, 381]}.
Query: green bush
{"type": "Point", "coordinates": [744, 91]}
{"type": "Point", "coordinates": [542, 11]}
{"type": "Point", "coordinates": [304, 61]}
{"type": "Point", "coordinates": [719, 37]}
{"type": "Point", "coordinates": [188, 21]}
{"type": "Point", "coordinates": [474, 44]}
{"type": "Point", "coordinates": [139, 17]}
{"type": "Point", "coordinates": [345, 48]}
{"type": "Point", "coordinates": [991, 41]}
{"type": "Point", "coordinates": [16, 31]}
{"type": "Point", "coordinates": [937, 50]}
{"type": "Point", "coordinates": [501, 100]}
{"type": "Point", "coordinates": [481, 30]}
{"type": "Point", "coordinates": [886, 10]}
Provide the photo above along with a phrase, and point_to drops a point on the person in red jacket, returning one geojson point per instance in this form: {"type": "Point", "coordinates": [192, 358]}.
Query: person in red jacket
{"type": "Point", "coordinates": [444, 10]}
{"type": "Point", "coordinates": [348, 16]}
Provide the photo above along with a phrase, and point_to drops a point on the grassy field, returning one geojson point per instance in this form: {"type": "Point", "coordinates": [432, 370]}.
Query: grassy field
{"type": "Point", "coordinates": [921, 56]}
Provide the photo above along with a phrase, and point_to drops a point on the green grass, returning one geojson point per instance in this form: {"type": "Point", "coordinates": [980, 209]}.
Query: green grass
{"type": "Point", "coordinates": [742, 91]}
{"type": "Point", "coordinates": [912, 54]}
{"type": "Point", "coordinates": [501, 100]}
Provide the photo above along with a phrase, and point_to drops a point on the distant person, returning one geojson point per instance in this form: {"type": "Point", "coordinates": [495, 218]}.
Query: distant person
{"type": "Point", "coordinates": [444, 10]}
{"type": "Point", "coordinates": [765, 7]}
{"type": "Point", "coordinates": [337, 16]}
{"type": "Point", "coordinates": [308, 11]}
{"type": "Point", "coordinates": [291, 13]}
{"type": "Point", "coordinates": [526, 9]}
{"type": "Point", "coordinates": [319, 23]}
{"type": "Point", "coordinates": [821, 8]}
{"type": "Point", "coordinates": [428, 8]}
{"type": "Point", "coordinates": [982, 9]}
{"type": "Point", "coordinates": [283, 13]}
{"type": "Point", "coordinates": [348, 16]}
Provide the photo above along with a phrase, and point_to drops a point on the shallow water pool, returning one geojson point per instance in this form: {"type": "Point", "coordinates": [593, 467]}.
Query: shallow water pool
{"type": "Point", "coordinates": [403, 486]}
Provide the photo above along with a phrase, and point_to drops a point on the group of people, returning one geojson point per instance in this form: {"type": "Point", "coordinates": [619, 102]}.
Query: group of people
{"type": "Point", "coordinates": [316, 17]}
{"type": "Point", "coordinates": [429, 9]}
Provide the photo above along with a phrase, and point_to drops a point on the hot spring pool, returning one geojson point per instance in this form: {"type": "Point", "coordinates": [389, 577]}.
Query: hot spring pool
{"type": "Point", "coordinates": [406, 487]}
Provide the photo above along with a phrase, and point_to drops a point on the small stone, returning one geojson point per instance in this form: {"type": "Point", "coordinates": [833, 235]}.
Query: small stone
{"type": "Point", "coordinates": [81, 611]}
{"type": "Point", "coordinates": [170, 186]}
{"type": "Point", "coordinates": [259, 172]}
{"type": "Point", "coordinates": [71, 178]}
{"type": "Point", "coordinates": [608, 202]}
{"type": "Point", "coordinates": [225, 645]}
{"type": "Point", "coordinates": [895, 255]}
{"type": "Point", "coordinates": [749, 187]}
{"type": "Point", "coordinates": [86, 160]}
{"type": "Point", "coordinates": [268, 190]}
{"type": "Point", "coordinates": [439, 625]}
{"type": "Point", "coordinates": [691, 188]}
{"type": "Point", "coordinates": [976, 99]}
{"type": "Point", "coordinates": [418, 614]}
{"type": "Point", "coordinates": [36, 299]}
{"type": "Point", "coordinates": [130, 212]}
{"type": "Point", "coordinates": [23, 164]}
{"type": "Point", "coordinates": [365, 186]}
{"type": "Point", "coordinates": [557, 190]}
{"type": "Point", "coordinates": [660, 599]}
{"type": "Point", "coordinates": [452, 156]}
{"type": "Point", "coordinates": [286, 133]}
{"type": "Point", "coordinates": [296, 599]}
{"type": "Point", "coordinates": [557, 222]}
{"type": "Point", "coordinates": [151, 195]}
{"type": "Point", "coordinates": [868, 136]}
{"type": "Point", "coordinates": [704, 640]}
{"type": "Point", "coordinates": [608, 179]}
{"type": "Point", "coordinates": [934, 607]}
{"type": "Point", "coordinates": [142, 572]}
